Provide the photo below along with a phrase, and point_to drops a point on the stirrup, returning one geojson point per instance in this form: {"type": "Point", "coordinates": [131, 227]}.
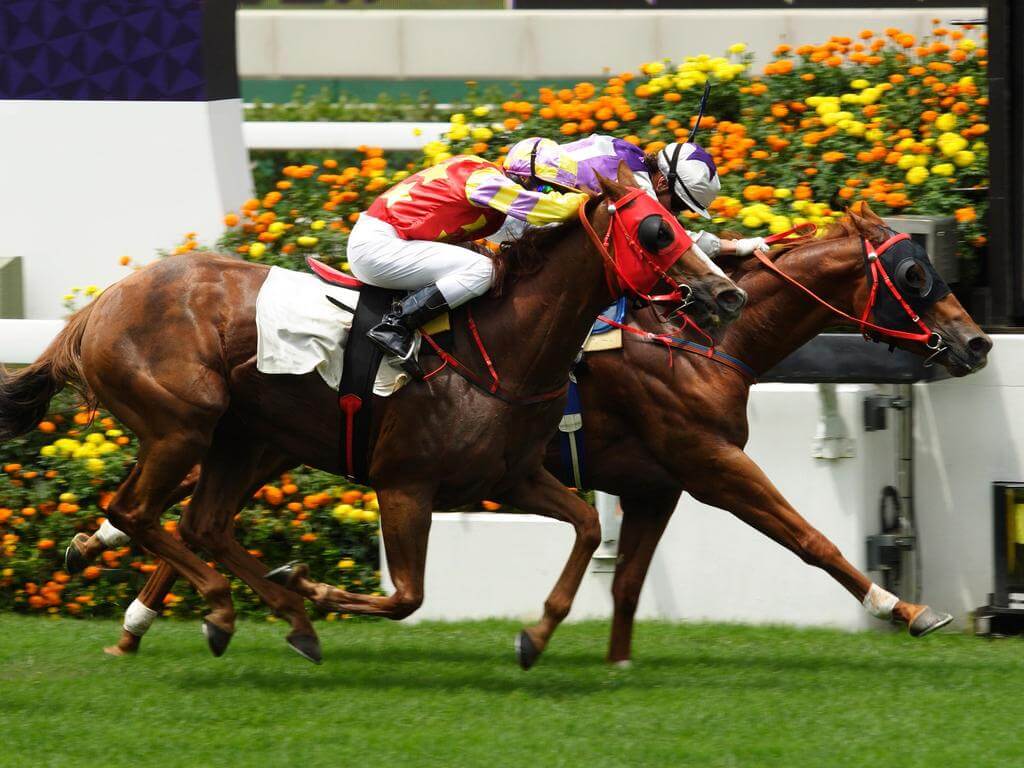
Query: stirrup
{"type": "Point", "coordinates": [409, 363]}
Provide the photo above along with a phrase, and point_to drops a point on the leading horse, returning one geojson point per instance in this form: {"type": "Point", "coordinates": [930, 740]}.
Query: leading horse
{"type": "Point", "coordinates": [653, 430]}
{"type": "Point", "coordinates": [170, 351]}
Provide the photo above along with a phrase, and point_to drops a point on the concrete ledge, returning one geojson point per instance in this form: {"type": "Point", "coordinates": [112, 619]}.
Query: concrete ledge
{"type": "Point", "coordinates": [531, 44]}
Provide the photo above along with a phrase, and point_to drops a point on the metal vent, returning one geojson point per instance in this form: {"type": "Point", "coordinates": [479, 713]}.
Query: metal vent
{"type": "Point", "coordinates": [937, 235]}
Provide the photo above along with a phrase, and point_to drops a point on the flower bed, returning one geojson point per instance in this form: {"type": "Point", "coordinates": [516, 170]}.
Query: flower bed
{"type": "Point", "coordinates": [57, 481]}
{"type": "Point", "coordinates": [884, 118]}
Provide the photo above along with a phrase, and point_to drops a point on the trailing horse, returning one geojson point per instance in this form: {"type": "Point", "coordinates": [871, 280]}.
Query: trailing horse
{"type": "Point", "coordinates": [682, 427]}
{"type": "Point", "coordinates": [170, 351]}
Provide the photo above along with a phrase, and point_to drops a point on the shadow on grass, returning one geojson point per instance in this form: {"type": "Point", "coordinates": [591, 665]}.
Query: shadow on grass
{"type": "Point", "coordinates": [570, 674]}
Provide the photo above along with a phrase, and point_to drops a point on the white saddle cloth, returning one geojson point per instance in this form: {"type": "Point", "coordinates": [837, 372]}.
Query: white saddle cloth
{"type": "Point", "coordinates": [299, 330]}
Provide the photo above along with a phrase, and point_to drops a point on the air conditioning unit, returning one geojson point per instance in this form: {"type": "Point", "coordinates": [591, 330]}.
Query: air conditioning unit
{"type": "Point", "coordinates": [937, 235]}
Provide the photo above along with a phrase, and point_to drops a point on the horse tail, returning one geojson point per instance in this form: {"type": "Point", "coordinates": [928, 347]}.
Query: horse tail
{"type": "Point", "coordinates": [25, 394]}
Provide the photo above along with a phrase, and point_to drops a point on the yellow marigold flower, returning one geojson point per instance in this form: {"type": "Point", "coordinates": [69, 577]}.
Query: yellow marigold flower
{"type": "Point", "coordinates": [963, 158]}
{"type": "Point", "coordinates": [256, 250]}
{"type": "Point", "coordinates": [481, 111]}
{"type": "Point", "coordinates": [860, 84]}
{"type": "Point", "coordinates": [737, 48]}
{"type": "Point", "coordinates": [967, 44]}
{"type": "Point", "coordinates": [917, 175]}
{"type": "Point", "coordinates": [943, 169]}
{"type": "Point", "coordinates": [946, 122]}
{"type": "Point", "coordinates": [307, 241]}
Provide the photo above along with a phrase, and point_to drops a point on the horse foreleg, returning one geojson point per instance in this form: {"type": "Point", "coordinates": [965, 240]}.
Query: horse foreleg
{"type": "Point", "coordinates": [405, 528]}
{"type": "Point", "coordinates": [143, 610]}
{"type": "Point", "coordinates": [753, 498]}
{"type": "Point", "coordinates": [643, 522]}
{"type": "Point", "coordinates": [542, 494]}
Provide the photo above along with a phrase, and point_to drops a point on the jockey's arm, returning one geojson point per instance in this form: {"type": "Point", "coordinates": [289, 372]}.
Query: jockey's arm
{"type": "Point", "coordinates": [715, 246]}
{"type": "Point", "coordinates": [490, 188]}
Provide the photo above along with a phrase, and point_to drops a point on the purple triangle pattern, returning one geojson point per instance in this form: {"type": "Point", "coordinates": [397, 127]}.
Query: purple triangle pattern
{"type": "Point", "coordinates": [150, 50]}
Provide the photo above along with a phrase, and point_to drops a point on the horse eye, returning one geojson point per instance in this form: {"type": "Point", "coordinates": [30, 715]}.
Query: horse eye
{"type": "Point", "coordinates": [915, 276]}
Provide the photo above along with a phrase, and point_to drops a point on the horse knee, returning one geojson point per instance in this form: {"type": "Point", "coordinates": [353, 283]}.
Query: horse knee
{"type": "Point", "coordinates": [125, 519]}
{"type": "Point", "coordinates": [815, 549]}
{"type": "Point", "coordinates": [589, 532]}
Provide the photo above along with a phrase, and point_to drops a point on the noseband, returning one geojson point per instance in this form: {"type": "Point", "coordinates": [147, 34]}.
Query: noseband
{"type": "Point", "coordinates": [878, 274]}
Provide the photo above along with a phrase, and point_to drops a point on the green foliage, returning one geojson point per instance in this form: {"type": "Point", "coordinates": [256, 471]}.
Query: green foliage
{"type": "Point", "coordinates": [58, 480]}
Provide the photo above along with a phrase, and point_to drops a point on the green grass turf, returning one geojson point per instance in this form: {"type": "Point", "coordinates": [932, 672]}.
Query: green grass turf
{"type": "Point", "coordinates": [451, 695]}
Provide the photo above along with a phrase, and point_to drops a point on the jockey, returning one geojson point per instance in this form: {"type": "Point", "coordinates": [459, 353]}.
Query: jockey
{"type": "Point", "coordinates": [681, 177]}
{"type": "Point", "coordinates": [407, 240]}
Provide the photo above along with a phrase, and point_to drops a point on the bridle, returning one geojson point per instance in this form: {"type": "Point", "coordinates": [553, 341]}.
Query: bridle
{"type": "Point", "coordinates": [879, 275]}
{"type": "Point", "coordinates": [618, 282]}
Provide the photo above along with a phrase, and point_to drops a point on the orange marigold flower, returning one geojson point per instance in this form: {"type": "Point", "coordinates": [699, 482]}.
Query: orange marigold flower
{"type": "Point", "coordinates": [965, 215]}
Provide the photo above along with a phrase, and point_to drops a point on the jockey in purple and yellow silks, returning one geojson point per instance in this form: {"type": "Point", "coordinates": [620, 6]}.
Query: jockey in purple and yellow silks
{"type": "Point", "coordinates": [407, 239]}
{"type": "Point", "coordinates": [681, 176]}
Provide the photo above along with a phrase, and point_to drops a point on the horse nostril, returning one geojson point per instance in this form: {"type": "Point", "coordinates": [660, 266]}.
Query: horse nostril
{"type": "Point", "coordinates": [980, 345]}
{"type": "Point", "coordinates": [731, 300]}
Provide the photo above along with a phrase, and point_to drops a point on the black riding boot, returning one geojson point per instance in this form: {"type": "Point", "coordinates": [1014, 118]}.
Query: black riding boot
{"type": "Point", "coordinates": [396, 331]}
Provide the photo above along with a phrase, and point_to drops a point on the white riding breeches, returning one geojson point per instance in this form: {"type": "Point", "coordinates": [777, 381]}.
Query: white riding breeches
{"type": "Point", "coordinates": [378, 256]}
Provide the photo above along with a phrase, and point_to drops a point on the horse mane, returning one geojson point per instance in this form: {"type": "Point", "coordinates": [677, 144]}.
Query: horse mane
{"type": "Point", "coordinates": [524, 255]}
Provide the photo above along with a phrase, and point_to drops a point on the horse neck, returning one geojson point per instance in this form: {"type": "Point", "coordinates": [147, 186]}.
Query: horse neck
{"type": "Point", "coordinates": [536, 328]}
{"type": "Point", "coordinates": [780, 318]}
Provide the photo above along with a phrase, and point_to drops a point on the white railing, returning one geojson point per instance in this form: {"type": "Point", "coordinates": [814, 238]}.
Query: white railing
{"type": "Point", "coordinates": [327, 135]}
{"type": "Point", "coordinates": [22, 341]}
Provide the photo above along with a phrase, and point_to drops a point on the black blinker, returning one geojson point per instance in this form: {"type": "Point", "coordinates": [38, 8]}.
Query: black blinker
{"type": "Point", "coordinates": [655, 234]}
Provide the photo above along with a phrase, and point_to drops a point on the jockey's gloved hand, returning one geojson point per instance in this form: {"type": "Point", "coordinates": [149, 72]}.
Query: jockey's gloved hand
{"type": "Point", "coordinates": [748, 245]}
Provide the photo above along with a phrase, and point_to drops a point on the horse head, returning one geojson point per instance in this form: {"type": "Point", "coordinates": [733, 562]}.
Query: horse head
{"type": "Point", "coordinates": [885, 283]}
{"type": "Point", "coordinates": [651, 248]}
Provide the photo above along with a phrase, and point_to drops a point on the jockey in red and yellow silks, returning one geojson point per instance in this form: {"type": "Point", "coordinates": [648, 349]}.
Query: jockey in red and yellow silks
{"type": "Point", "coordinates": [406, 240]}
{"type": "Point", "coordinates": [681, 176]}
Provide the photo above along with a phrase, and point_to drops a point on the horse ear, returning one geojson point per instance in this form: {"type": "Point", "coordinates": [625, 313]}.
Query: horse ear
{"type": "Point", "coordinates": [864, 220]}
{"type": "Point", "coordinates": [625, 176]}
{"type": "Point", "coordinates": [866, 212]}
{"type": "Point", "coordinates": [609, 187]}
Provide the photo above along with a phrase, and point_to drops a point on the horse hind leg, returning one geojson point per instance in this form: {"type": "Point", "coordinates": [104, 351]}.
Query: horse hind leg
{"type": "Point", "coordinates": [235, 466]}
{"type": "Point", "coordinates": [136, 510]}
{"type": "Point", "coordinates": [85, 548]}
{"type": "Point", "coordinates": [143, 610]}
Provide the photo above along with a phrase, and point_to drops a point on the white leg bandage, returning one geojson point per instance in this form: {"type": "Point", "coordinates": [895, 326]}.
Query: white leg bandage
{"type": "Point", "coordinates": [880, 603]}
{"type": "Point", "coordinates": [138, 618]}
{"type": "Point", "coordinates": [111, 536]}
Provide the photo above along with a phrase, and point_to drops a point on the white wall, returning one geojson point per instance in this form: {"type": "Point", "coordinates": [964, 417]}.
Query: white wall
{"type": "Point", "coordinates": [85, 182]}
{"type": "Point", "coordinates": [969, 434]}
{"type": "Point", "coordinates": [533, 44]}
{"type": "Point", "coordinates": [709, 566]}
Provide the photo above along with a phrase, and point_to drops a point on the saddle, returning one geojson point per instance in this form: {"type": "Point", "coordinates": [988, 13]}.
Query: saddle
{"type": "Point", "coordinates": [362, 359]}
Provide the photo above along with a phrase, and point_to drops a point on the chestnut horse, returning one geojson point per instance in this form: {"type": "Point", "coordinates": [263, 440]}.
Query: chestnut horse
{"type": "Point", "coordinates": [671, 425]}
{"type": "Point", "coordinates": [170, 351]}
{"type": "Point", "coordinates": [652, 431]}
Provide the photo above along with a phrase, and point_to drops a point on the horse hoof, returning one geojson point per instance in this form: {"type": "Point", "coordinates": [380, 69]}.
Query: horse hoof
{"type": "Point", "coordinates": [216, 637]}
{"type": "Point", "coordinates": [927, 621]}
{"type": "Point", "coordinates": [285, 574]}
{"type": "Point", "coordinates": [622, 664]}
{"type": "Point", "coordinates": [307, 646]}
{"type": "Point", "coordinates": [526, 652]}
{"type": "Point", "coordinates": [117, 651]}
{"type": "Point", "coordinates": [74, 560]}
